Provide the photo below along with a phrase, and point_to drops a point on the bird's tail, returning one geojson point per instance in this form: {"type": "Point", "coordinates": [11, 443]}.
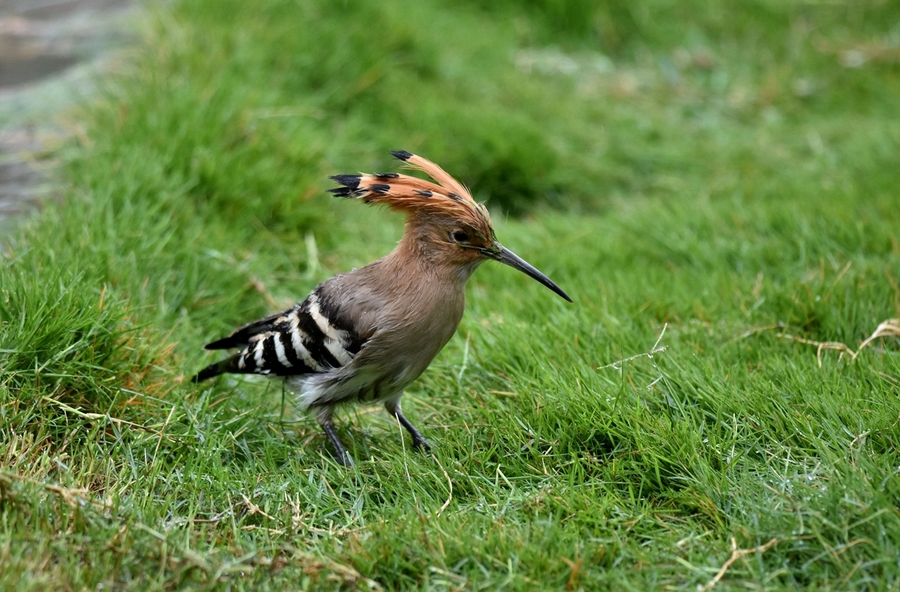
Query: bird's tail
{"type": "Point", "coordinates": [221, 367]}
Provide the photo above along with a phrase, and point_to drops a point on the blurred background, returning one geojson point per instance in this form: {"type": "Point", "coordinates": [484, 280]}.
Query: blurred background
{"type": "Point", "coordinates": [567, 103]}
{"type": "Point", "coordinates": [50, 54]}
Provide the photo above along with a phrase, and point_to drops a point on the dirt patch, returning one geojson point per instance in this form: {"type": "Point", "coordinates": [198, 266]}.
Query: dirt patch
{"type": "Point", "coordinates": [51, 53]}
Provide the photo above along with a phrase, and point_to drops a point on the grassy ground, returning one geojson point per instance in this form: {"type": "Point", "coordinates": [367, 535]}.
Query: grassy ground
{"type": "Point", "coordinates": [715, 183]}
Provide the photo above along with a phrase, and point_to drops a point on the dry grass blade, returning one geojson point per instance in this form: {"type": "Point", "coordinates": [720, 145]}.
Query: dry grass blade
{"type": "Point", "coordinates": [888, 328]}
{"type": "Point", "coordinates": [656, 349]}
{"type": "Point", "coordinates": [93, 416]}
{"type": "Point", "coordinates": [449, 484]}
{"type": "Point", "coordinates": [735, 555]}
{"type": "Point", "coordinates": [71, 496]}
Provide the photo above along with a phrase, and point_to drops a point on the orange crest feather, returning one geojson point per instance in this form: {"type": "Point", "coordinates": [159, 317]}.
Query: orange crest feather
{"type": "Point", "coordinates": [412, 195]}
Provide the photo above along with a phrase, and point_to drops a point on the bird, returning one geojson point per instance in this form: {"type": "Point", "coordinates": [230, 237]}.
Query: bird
{"type": "Point", "coordinates": [365, 335]}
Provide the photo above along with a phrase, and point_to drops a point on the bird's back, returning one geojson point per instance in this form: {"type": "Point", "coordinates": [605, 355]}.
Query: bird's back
{"type": "Point", "coordinates": [376, 318]}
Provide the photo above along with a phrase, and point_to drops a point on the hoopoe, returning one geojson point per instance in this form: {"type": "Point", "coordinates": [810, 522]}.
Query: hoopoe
{"type": "Point", "coordinates": [367, 334]}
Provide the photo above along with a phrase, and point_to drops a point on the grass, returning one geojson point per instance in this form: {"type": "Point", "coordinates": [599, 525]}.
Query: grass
{"type": "Point", "coordinates": [713, 182]}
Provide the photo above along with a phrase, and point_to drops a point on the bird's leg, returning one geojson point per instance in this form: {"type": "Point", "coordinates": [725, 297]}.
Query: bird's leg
{"type": "Point", "coordinates": [419, 441]}
{"type": "Point", "coordinates": [341, 454]}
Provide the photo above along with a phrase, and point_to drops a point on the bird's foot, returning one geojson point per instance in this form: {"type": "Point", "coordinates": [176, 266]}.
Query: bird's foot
{"type": "Point", "coordinates": [340, 453]}
{"type": "Point", "coordinates": [418, 439]}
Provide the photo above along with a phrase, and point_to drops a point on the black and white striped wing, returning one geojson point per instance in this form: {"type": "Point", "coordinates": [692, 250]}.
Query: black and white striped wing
{"type": "Point", "coordinates": [311, 337]}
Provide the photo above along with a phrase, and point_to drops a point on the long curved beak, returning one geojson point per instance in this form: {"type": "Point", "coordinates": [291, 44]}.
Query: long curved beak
{"type": "Point", "coordinates": [498, 252]}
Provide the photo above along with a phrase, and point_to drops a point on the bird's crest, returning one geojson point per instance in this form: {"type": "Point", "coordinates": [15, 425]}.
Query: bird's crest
{"type": "Point", "coordinates": [412, 195]}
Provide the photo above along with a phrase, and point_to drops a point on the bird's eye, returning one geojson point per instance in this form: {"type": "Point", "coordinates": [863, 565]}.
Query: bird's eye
{"type": "Point", "coordinates": [460, 236]}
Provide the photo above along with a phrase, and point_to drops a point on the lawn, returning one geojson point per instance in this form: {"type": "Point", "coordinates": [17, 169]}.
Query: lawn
{"type": "Point", "coordinates": [716, 184]}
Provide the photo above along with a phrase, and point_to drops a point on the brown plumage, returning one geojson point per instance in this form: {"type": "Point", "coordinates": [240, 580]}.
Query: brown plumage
{"type": "Point", "coordinates": [366, 334]}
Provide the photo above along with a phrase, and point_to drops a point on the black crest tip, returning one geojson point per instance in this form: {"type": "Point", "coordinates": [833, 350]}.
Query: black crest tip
{"type": "Point", "coordinates": [340, 191]}
{"type": "Point", "coordinates": [402, 154]}
{"type": "Point", "coordinates": [386, 175]}
{"type": "Point", "coordinates": [379, 188]}
{"type": "Point", "coordinates": [423, 192]}
{"type": "Point", "coordinates": [351, 181]}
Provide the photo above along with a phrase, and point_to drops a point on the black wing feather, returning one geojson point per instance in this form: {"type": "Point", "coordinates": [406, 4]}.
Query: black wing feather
{"type": "Point", "coordinates": [241, 337]}
{"type": "Point", "coordinates": [290, 343]}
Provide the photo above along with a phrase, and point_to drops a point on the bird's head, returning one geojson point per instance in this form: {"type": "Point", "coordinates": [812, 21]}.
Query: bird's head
{"type": "Point", "coordinates": [450, 224]}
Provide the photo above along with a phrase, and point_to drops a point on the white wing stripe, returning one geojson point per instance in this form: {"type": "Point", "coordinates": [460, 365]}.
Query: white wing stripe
{"type": "Point", "coordinates": [302, 352]}
{"type": "Point", "coordinates": [258, 354]}
{"type": "Point", "coordinates": [334, 338]}
{"type": "Point", "coordinates": [322, 322]}
{"type": "Point", "coordinates": [279, 351]}
{"type": "Point", "coordinates": [338, 351]}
